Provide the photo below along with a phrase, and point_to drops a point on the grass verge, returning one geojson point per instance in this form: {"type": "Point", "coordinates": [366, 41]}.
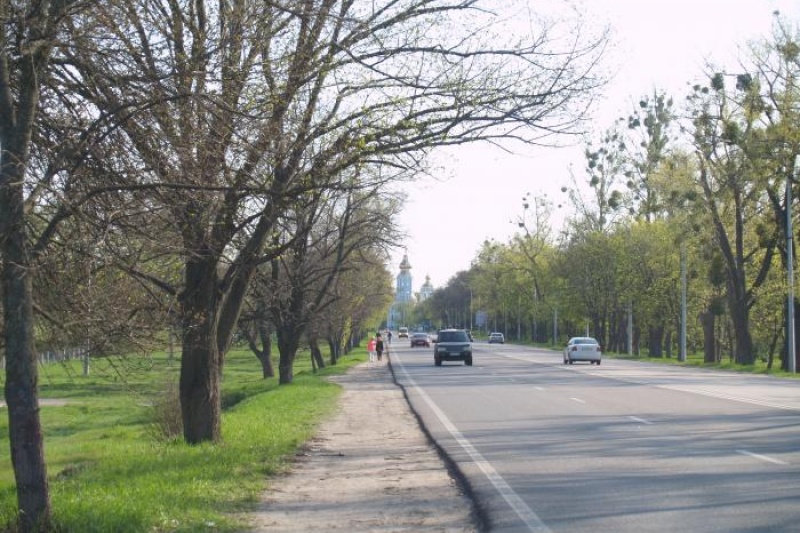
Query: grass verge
{"type": "Point", "coordinates": [108, 472]}
{"type": "Point", "coordinates": [692, 360]}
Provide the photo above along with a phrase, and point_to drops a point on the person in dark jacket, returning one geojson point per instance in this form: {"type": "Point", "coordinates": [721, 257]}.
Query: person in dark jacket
{"type": "Point", "coordinates": [379, 346]}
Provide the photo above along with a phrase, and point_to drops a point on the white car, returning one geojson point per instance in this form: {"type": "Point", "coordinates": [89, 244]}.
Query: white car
{"type": "Point", "coordinates": [582, 349]}
{"type": "Point", "coordinates": [497, 337]}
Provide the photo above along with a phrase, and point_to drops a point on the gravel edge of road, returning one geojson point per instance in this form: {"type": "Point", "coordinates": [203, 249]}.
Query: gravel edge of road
{"type": "Point", "coordinates": [371, 466]}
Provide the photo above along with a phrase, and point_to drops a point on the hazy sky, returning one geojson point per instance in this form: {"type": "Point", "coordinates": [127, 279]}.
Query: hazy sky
{"type": "Point", "coordinates": [658, 44]}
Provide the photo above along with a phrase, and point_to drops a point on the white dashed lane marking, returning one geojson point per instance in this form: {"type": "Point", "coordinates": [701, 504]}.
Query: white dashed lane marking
{"type": "Point", "coordinates": [760, 457]}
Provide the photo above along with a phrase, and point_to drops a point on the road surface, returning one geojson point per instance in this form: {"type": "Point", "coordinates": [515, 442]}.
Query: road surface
{"type": "Point", "coordinates": [623, 447]}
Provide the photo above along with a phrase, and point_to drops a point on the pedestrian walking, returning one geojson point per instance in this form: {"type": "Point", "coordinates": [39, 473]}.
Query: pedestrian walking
{"type": "Point", "coordinates": [379, 346]}
{"type": "Point", "coordinates": [373, 355]}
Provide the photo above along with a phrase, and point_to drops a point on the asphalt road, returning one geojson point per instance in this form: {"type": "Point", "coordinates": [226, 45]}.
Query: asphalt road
{"type": "Point", "coordinates": [620, 447]}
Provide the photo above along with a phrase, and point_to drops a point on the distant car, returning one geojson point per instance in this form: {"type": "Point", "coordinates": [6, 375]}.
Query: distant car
{"type": "Point", "coordinates": [497, 337]}
{"type": "Point", "coordinates": [452, 345]}
{"type": "Point", "coordinates": [402, 333]}
{"type": "Point", "coordinates": [420, 339]}
{"type": "Point", "coordinates": [582, 349]}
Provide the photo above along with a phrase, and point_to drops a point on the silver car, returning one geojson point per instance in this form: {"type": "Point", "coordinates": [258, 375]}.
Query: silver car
{"type": "Point", "coordinates": [582, 349]}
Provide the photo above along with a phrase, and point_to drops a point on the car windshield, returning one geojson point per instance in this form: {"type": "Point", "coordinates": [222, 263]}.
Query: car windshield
{"type": "Point", "coordinates": [420, 335]}
{"type": "Point", "coordinates": [453, 336]}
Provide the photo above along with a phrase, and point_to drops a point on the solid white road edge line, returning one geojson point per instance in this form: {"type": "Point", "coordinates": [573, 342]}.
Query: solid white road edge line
{"type": "Point", "coordinates": [525, 513]}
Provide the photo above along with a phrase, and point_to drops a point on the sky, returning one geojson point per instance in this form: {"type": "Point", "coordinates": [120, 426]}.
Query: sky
{"type": "Point", "coordinates": [658, 44]}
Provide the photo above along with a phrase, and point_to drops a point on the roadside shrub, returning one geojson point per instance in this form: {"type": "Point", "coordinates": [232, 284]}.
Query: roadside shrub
{"type": "Point", "coordinates": [166, 419]}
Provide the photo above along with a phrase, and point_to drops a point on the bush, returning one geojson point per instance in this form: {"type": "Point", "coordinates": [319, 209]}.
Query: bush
{"type": "Point", "coordinates": [167, 421]}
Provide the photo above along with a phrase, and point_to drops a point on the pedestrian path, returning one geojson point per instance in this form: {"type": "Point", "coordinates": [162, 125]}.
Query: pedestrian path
{"type": "Point", "coordinates": [369, 468]}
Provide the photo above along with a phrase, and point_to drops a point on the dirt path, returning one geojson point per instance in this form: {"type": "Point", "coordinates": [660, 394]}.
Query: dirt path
{"type": "Point", "coordinates": [370, 468]}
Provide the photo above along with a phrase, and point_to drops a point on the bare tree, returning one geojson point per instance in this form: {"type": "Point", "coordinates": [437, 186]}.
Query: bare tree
{"type": "Point", "coordinates": [606, 173]}
{"type": "Point", "coordinates": [29, 35]}
{"type": "Point", "coordinates": [229, 111]}
{"type": "Point", "coordinates": [255, 322]}
{"type": "Point", "coordinates": [337, 226]}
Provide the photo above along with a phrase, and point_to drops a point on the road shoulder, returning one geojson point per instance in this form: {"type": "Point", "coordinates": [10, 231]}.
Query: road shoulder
{"type": "Point", "coordinates": [370, 467]}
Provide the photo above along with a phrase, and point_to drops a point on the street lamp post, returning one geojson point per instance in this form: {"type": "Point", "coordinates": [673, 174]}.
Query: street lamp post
{"type": "Point", "coordinates": [629, 328]}
{"type": "Point", "coordinates": [470, 309]}
{"type": "Point", "coordinates": [555, 325]}
{"type": "Point", "coordinates": [682, 352]}
{"type": "Point", "coordinates": [790, 340]}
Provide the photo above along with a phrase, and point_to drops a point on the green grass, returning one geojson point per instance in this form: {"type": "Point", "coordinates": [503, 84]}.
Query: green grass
{"type": "Point", "coordinates": [109, 473]}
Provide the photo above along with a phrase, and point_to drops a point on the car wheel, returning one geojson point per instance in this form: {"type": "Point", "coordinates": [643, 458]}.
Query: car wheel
{"type": "Point", "coordinates": [598, 363]}
{"type": "Point", "coordinates": [437, 361]}
{"type": "Point", "coordinates": [565, 360]}
{"type": "Point", "coordinates": [468, 361]}
{"type": "Point", "coordinates": [570, 360]}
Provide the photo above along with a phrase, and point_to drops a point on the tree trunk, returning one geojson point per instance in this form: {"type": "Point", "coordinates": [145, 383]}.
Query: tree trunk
{"type": "Point", "coordinates": [288, 343]}
{"type": "Point", "coordinates": [332, 348]}
{"type": "Point", "coordinates": [707, 320]}
{"type": "Point", "coordinates": [655, 337]}
{"type": "Point", "coordinates": [668, 344]}
{"type": "Point", "coordinates": [200, 363]}
{"type": "Point", "coordinates": [265, 355]}
{"type": "Point", "coordinates": [351, 341]}
{"type": "Point", "coordinates": [259, 333]}
{"type": "Point", "coordinates": [772, 345]}
{"type": "Point", "coordinates": [740, 316]}
{"type": "Point", "coordinates": [267, 370]}
{"type": "Point", "coordinates": [316, 353]}
{"type": "Point", "coordinates": [21, 394]}
{"type": "Point", "coordinates": [289, 325]}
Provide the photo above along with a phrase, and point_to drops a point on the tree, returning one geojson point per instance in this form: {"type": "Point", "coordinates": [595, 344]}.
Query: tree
{"type": "Point", "coordinates": [334, 227]}
{"type": "Point", "coordinates": [772, 149]}
{"type": "Point", "coordinates": [605, 168]}
{"type": "Point", "coordinates": [255, 322]}
{"type": "Point", "coordinates": [534, 240]}
{"type": "Point", "coordinates": [359, 300]}
{"type": "Point", "coordinates": [733, 195]}
{"type": "Point", "coordinates": [228, 111]}
{"type": "Point", "coordinates": [653, 264]}
{"type": "Point", "coordinates": [29, 36]}
{"type": "Point", "coordinates": [649, 128]}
